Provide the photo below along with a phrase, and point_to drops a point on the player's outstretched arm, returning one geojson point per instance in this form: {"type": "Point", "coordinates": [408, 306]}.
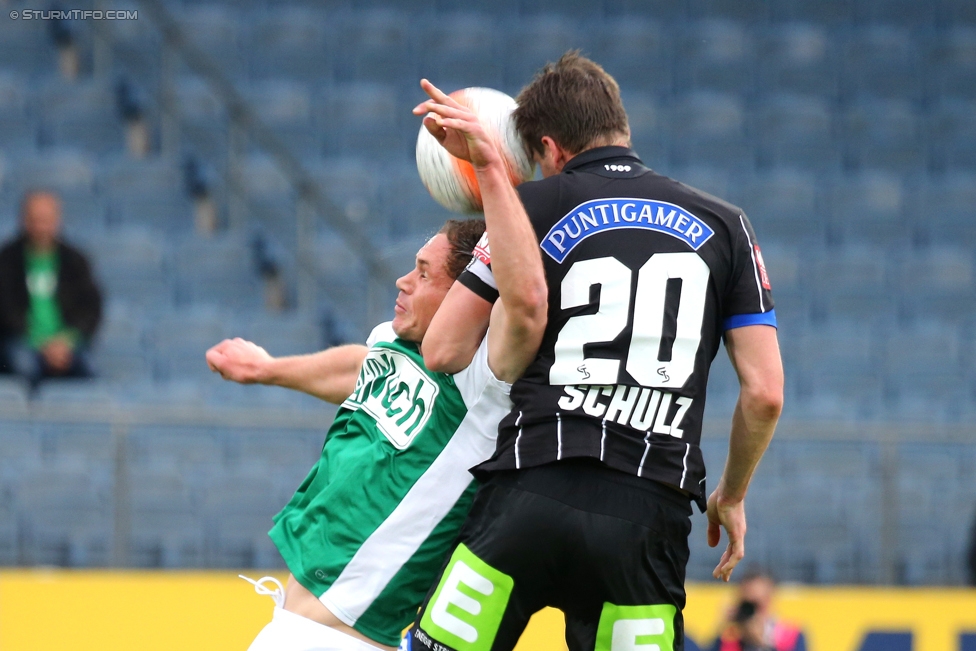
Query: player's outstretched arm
{"type": "Point", "coordinates": [456, 330]}
{"type": "Point", "coordinates": [519, 318]}
{"type": "Point", "coordinates": [754, 351]}
{"type": "Point", "coordinates": [329, 375]}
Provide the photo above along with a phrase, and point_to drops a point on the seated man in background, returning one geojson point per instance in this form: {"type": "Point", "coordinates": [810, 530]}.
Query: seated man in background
{"type": "Point", "coordinates": [750, 625]}
{"type": "Point", "coordinates": [50, 306]}
{"type": "Point", "coordinates": [368, 530]}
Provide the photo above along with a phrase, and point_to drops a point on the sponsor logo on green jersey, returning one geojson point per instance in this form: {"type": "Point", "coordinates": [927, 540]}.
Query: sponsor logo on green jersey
{"type": "Point", "coordinates": [396, 392]}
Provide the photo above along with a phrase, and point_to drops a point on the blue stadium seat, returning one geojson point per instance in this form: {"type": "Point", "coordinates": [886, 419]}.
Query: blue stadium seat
{"type": "Point", "coordinates": [957, 12]}
{"type": "Point", "coordinates": [798, 58]}
{"type": "Point", "coordinates": [377, 46]}
{"type": "Point", "coordinates": [881, 61]}
{"type": "Point", "coordinates": [238, 509]}
{"type": "Point", "coordinates": [638, 53]}
{"type": "Point", "coordinates": [352, 185]}
{"type": "Point", "coordinates": [147, 193]}
{"type": "Point", "coordinates": [648, 122]}
{"type": "Point", "coordinates": [716, 55]}
{"type": "Point", "coordinates": [291, 43]}
{"type": "Point", "coordinates": [203, 120]}
{"type": "Point", "coordinates": [709, 129]}
{"type": "Point", "coordinates": [945, 270]}
{"type": "Point", "coordinates": [13, 396]}
{"type": "Point", "coordinates": [408, 207]}
{"type": "Point", "coordinates": [193, 451]}
{"type": "Point", "coordinates": [166, 529]}
{"type": "Point", "coordinates": [371, 121]}
{"type": "Point", "coordinates": [181, 339]}
{"type": "Point", "coordinates": [67, 171]}
{"type": "Point", "coordinates": [953, 67]}
{"type": "Point", "coordinates": [852, 285]}
{"type": "Point", "coordinates": [750, 12]}
{"type": "Point", "coordinates": [907, 13]}
{"type": "Point", "coordinates": [18, 128]}
{"type": "Point", "coordinates": [952, 135]}
{"type": "Point", "coordinates": [65, 519]}
{"type": "Point", "coordinates": [796, 131]}
{"type": "Point", "coordinates": [712, 179]}
{"type": "Point", "coordinates": [21, 446]}
{"type": "Point", "coordinates": [131, 267]}
{"type": "Point", "coordinates": [534, 41]}
{"type": "Point", "coordinates": [218, 272]}
{"type": "Point", "coordinates": [286, 108]}
{"type": "Point", "coordinates": [461, 50]}
{"type": "Point", "coordinates": [945, 207]}
{"type": "Point", "coordinates": [663, 10]}
{"type": "Point", "coordinates": [828, 12]}
{"type": "Point", "coordinates": [885, 135]}
{"type": "Point", "coordinates": [26, 46]}
{"type": "Point", "coordinates": [781, 204]}
{"type": "Point", "coordinates": [214, 30]}
{"type": "Point", "coordinates": [868, 207]}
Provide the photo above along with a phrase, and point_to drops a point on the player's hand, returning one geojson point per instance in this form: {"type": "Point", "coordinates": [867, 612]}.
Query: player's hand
{"type": "Point", "coordinates": [58, 354]}
{"type": "Point", "coordinates": [456, 127]}
{"type": "Point", "coordinates": [730, 516]}
{"type": "Point", "coordinates": [239, 361]}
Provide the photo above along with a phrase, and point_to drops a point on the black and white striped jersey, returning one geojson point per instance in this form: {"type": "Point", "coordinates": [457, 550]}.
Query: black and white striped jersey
{"type": "Point", "coordinates": [645, 275]}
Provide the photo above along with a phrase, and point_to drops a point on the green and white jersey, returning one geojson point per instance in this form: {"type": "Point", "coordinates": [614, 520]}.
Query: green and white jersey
{"type": "Point", "coordinates": [369, 528]}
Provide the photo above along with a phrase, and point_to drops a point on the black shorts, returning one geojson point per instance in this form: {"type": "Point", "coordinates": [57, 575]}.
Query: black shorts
{"type": "Point", "coordinates": [607, 549]}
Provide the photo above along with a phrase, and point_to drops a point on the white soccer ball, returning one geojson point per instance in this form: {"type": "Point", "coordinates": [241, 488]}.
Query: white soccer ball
{"type": "Point", "coordinates": [451, 181]}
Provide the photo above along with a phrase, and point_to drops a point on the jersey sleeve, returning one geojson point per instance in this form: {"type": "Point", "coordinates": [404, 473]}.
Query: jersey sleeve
{"type": "Point", "coordinates": [477, 378]}
{"type": "Point", "coordinates": [381, 333]}
{"type": "Point", "coordinates": [478, 276]}
{"type": "Point", "coordinates": [750, 297]}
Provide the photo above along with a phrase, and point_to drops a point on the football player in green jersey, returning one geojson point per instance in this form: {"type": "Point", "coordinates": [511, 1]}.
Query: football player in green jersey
{"type": "Point", "coordinates": [369, 528]}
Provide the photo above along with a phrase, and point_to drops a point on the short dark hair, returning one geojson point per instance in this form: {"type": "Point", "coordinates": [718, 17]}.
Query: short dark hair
{"type": "Point", "coordinates": [462, 235]}
{"type": "Point", "coordinates": [573, 101]}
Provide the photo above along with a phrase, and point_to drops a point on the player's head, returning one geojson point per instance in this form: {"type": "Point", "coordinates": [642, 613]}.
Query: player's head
{"type": "Point", "coordinates": [40, 217]}
{"type": "Point", "coordinates": [438, 264]}
{"type": "Point", "coordinates": [574, 104]}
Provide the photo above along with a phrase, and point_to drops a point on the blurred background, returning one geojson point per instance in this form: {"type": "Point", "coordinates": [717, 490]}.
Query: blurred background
{"type": "Point", "coordinates": [246, 169]}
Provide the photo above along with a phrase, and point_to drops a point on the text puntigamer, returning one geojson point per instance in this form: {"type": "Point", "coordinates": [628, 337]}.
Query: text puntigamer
{"type": "Point", "coordinates": [608, 214]}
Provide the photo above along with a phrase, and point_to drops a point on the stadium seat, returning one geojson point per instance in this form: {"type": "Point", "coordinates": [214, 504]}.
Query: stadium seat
{"type": "Point", "coordinates": [64, 519]}
{"type": "Point", "coordinates": [286, 108]}
{"type": "Point", "coordinates": [462, 50]}
{"type": "Point", "coordinates": [796, 131]}
{"type": "Point", "coordinates": [216, 272]}
{"type": "Point", "coordinates": [67, 171]}
{"type": "Point", "coordinates": [957, 12]}
{"type": "Point", "coordinates": [352, 185]}
{"type": "Point", "coordinates": [27, 47]}
{"type": "Point", "coordinates": [867, 207]}
{"type": "Point", "coordinates": [203, 119]}
{"type": "Point", "coordinates": [749, 12]}
{"type": "Point", "coordinates": [292, 43]}
{"type": "Point", "coordinates": [147, 193]}
{"type": "Point", "coordinates": [371, 120]}
{"type": "Point", "coordinates": [781, 204]}
{"type": "Point", "coordinates": [166, 529]}
{"type": "Point", "coordinates": [884, 135]}
{"type": "Point", "coordinates": [798, 58]}
{"type": "Point", "coordinates": [638, 53]}
{"type": "Point", "coordinates": [954, 64]}
{"type": "Point", "coordinates": [945, 208]}
{"type": "Point", "coordinates": [238, 509]}
{"type": "Point", "coordinates": [130, 265]}
{"type": "Point", "coordinates": [827, 12]}
{"type": "Point", "coordinates": [18, 128]}
{"type": "Point", "coordinates": [907, 13]}
{"type": "Point", "coordinates": [952, 135]}
{"type": "Point", "coordinates": [180, 340]}
{"type": "Point", "coordinates": [709, 129]}
{"type": "Point", "coordinates": [406, 205]}
{"type": "Point", "coordinates": [214, 30]}
{"type": "Point", "coordinates": [377, 46]}
{"type": "Point", "coordinates": [881, 61]}
{"type": "Point", "coordinates": [533, 41]}
{"type": "Point", "coordinates": [715, 55]}
{"type": "Point", "coordinates": [648, 123]}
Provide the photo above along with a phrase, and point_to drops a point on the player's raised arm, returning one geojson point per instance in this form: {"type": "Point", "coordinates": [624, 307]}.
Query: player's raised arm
{"type": "Point", "coordinates": [754, 351]}
{"type": "Point", "coordinates": [519, 319]}
{"type": "Point", "coordinates": [456, 330]}
{"type": "Point", "coordinates": [329, 375]}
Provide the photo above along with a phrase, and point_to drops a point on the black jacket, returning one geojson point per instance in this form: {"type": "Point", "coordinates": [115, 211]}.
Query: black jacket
{"type": "Point", "coordinates": [77, 295]}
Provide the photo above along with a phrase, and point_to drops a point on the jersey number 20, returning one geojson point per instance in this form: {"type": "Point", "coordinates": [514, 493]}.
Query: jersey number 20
{"type": "Point", "coordinates": [571, 367]}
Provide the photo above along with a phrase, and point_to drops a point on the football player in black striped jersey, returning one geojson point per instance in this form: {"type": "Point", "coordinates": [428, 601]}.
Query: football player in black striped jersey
{"type": "Point", "coordinates": [586, 503]}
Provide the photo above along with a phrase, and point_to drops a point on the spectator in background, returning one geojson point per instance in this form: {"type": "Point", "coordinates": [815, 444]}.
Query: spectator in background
{"type": "Point", "coordinates": [50, 305]}
{"type": "Point", "coordinates": [750, 625]}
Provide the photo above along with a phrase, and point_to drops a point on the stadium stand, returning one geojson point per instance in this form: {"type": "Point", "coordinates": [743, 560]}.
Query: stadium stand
{"type": "Point", "coordinates": [844, 128]}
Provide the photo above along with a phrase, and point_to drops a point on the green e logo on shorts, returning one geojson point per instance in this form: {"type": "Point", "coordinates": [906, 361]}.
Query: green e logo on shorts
{"type": "Point", "coordinates": [467, 607]}
{"type": "Point", "coordinates": [636, 628]}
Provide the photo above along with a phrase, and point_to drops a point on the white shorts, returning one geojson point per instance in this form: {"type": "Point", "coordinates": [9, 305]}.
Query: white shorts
{"type": "Point", "coordinates": [290, 632]}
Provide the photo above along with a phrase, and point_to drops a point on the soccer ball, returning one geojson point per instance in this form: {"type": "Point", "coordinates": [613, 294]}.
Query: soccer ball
{"type": "Point", "coordinates": [452, 181]}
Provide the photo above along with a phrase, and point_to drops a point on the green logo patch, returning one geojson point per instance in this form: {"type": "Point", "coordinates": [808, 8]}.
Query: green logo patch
{"type": "Point", "coordinates": [636, 628]}
{"type": "Point", "coordinates": [469, 603]}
